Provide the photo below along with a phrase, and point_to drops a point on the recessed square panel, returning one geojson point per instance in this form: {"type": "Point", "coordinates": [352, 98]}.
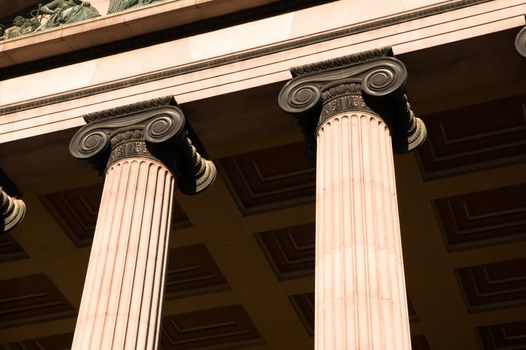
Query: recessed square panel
{"type": "Point", "coordinates": [219, 328]}
{"type": "Point", "coordinates": [304, 306]}
{"type": "Point", "coordinates": [476, 137]}
{"type": "Point", "coordinates": [482, 218]}
{"type": "Point", "coordinates": [419, 342]}
{"type": "Point", "coordinates": [503, 336]}
{"type": "Point", "coordinates": [411, 310]}
{"type": "Point", "coordinates": [10, 249]}
{"type": "Point", "coordinates": [495, 285]}
{"type": "Point", "coordinates": [270, 179]}
{"type": "Point", "coordinates": [31, 299]}
{"type": "Point", "coordinates": [290, 251]}
{"type": "Point", "coordinates": [54, 342]}
{"type": "Point", "coordinates": [192, 270]}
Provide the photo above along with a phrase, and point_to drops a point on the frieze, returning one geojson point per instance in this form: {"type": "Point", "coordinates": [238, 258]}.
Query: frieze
{"type": "Point", "coordinates": [157, 131]}
{"type": "Point", "coordinates": [187, 30]}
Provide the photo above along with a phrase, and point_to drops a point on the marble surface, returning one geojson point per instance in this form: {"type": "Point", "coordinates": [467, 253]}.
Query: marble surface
{"type": "Point", "coordinates": [123, 292]}
{"type": "Point", "coordinates": [360, 299]}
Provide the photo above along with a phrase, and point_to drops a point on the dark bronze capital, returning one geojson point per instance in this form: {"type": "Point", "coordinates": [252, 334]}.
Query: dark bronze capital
{"type": "Point", "coordinates": [13, 211]}
{"type": "Point", "coordinates": [371, 81]}
{"type": "Point", "coordinates": [520, 42]}
{"type": "Point", "coordinates": [153, 129]}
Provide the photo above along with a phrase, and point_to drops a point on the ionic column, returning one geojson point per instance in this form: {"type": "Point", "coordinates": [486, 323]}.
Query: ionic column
{"type": "Point", "coordinates": [147, 152]}
{"type": "Point", "coordinates": [12, 210]}
{"type": "Point", "coordinates": [357, 112]}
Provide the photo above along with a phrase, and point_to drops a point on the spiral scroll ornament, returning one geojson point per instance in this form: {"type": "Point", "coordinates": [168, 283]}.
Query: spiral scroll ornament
{"type": "Point", "coordinates": [89, 143]}
{"type": "Point", "coordinates": [154, 126]}
{"type": "Point", "coordinates": [298, 97]}
{"type": "Point", "coordinates": [384, 80]}
{"type": "Point", "coordinates": [163, 127]}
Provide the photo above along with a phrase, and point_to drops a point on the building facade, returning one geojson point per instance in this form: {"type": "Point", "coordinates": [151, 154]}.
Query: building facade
{"type": "Point", "coordinates": [185, 167]}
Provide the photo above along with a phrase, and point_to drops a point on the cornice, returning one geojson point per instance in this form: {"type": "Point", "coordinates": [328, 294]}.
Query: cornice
{"type": "Point", "coordinates": [213, 63]}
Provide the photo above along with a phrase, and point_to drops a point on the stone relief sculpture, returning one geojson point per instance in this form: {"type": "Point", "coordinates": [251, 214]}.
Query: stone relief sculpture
{"type": "Point", "coordinates": [21, 26]}
{"type": "Point", "coordinates": [121, 5]}
{"type": "Point", "coordinates": [59, 12]}
{"type": "Point", "coordinates": [65, 12]}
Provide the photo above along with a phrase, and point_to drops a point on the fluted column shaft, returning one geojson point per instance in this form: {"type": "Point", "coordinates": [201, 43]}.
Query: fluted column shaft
{"type": "Point", "coordinates": [121, 302]}
{"type": "Point", "coordinates": [360, 290]}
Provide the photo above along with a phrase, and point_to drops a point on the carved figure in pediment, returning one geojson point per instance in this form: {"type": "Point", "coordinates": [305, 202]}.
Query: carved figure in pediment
{"type": "Point", "coordinates": [65, 12]}
{"type": "Point", "coordinates": [121, 5]}
{"type": "Point", "coordinates": [21, 26]}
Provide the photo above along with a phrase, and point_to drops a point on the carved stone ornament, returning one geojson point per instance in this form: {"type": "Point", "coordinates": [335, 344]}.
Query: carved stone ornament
{"type": "Point", "coordinates": [122, 5]}
{"type": "Point", "coordinates": [21, 26]}
{"type": "Point", "coordinates": [520, 42]}
{"type": "Point", "coordinates": [371, 81]}
{"type": "Point", "coordinates": [63, 12]}
{"type": "Point", "coordinates": [152, 129]}
{"type": "Point", "coordinates": [13, 211]}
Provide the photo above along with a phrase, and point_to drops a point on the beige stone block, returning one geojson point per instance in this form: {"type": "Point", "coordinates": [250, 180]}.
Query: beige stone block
{"type": "Point", "coordinates": [50, 82]}
{"type": "Point", "coordinates": [140, 61]}
{"type": "Point", "coordinates": [241, 37]}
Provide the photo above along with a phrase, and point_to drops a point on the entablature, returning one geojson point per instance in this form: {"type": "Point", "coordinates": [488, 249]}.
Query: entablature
{"type": "Point", "coordinates": [206, 65]}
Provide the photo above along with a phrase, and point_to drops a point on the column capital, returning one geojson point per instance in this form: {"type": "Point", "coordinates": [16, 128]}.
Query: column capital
{"type": "Point", "coordinates": [153, 129]}
{"type": "Point", "coordinates": [12, 208]}
{"type": "Point", "coordinates": [371, 81]}
{"type": "Point", "coordinates": [520, 42]}
{"type": "Point", "coordinates": [13, 211]}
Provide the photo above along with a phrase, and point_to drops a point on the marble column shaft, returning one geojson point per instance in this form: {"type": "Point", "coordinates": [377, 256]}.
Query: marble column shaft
{"type": "Point", "coordinates": [121, 303]}
{"type": "Point", "coordinates": [360, 289]}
